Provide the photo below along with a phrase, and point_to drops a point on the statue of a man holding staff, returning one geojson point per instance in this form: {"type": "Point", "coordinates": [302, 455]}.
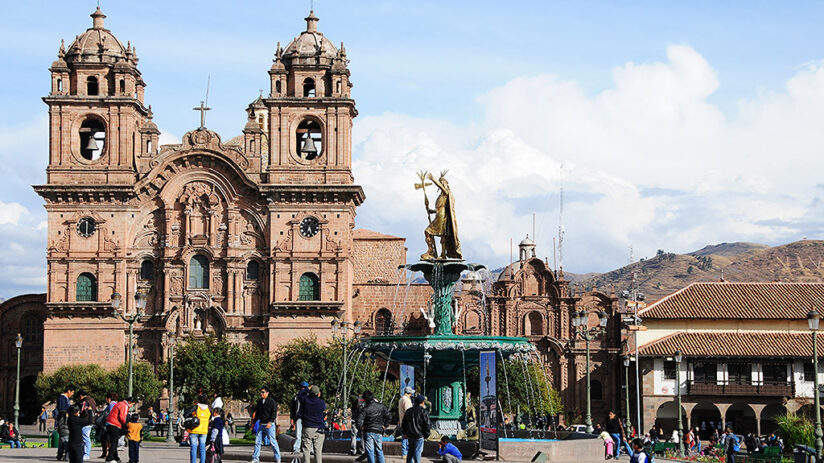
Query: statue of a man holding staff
{"type": "Point", "coordinates": [444, 225]}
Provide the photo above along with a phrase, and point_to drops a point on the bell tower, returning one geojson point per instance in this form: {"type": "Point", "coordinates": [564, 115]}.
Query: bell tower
{"type": "Point", "coordinates": [310, 111]}
{"type": "Point", "coordinates": [95, 110]}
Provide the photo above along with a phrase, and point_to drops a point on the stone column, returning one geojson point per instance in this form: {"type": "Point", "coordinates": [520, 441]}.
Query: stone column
{"type": "Point", "coordinates": [723, 409]}
{"type": "Point", "coordinates": [758, 408]}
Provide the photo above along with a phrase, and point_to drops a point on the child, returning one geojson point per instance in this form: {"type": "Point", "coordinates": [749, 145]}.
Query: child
{"type": "Point", "coordinates": [134, 433]}
{"type": "Point", "coordinates": [76, 423]}
{"type": "Point", "coordinates": [638, 455]}
{"type": "Point", "coordinates": [609, 451]}
{"type": "Point", "coordinates": [63, 432]}
{"type": "Point", "coordinates": [216, 431]}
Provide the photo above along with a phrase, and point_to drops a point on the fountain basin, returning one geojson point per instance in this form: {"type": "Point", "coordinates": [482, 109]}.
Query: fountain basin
{"type": "Point", "coordinates": [450, 348]}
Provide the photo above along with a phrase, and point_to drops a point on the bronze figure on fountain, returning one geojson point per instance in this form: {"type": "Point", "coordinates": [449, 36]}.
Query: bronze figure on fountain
{"type": "Point", "coordinates": [445, 224]}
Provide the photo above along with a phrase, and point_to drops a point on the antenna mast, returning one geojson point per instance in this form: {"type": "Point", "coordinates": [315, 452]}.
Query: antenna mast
{"type": "Point", "coordinates": [561, 227]}
{"type": "Point", "coordinates": [208, 81]}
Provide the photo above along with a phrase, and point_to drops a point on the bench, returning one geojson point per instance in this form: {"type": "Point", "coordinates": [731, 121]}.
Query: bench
{"type": "Point", "coordinates": [147, 431]}
{"type": "Point", "coordinates": [770, 454]}
{"type": "Point", "coordinates": [661, 447]}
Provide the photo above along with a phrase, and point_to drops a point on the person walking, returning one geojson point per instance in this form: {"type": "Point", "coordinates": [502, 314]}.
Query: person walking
{"type": "Point", "coordinates": [731, 445]}
{"type": "Point", "coordinates": [294, 414]}
{"type": "Point", "coordinates": [41, 419]}
{"type": "Point", "coordinates": [372, 422]}
{"type": "Point", "coordinates": [134, 434]}
{"type": "Point", "coordinates": [312, 414]}
{"type": "Point", "coordinates": [76, 422]}
{"type": "Point", "coordinates": [448, 452]}
{"type": "Point", "coordinates": [265, 413]}
{"type": "Point", "coordinates": [62, 410]}
{"type": "Point", "coordinates": [415, 426]}
{"type": "Point", "coordinates": [197, 435]}
{"type": "Point", "coordinates": [230, 423]}
{"type": "Point", "coordinates": [404, 404]}
{"type": "Point", "coordinates": [116, 425]}
{"type": "Point", "coordinates": [88, 410]}
{"type": "Point", "coordinates": [354, 429]}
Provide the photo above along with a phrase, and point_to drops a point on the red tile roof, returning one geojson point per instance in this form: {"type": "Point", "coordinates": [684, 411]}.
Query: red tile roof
{"type": "Point", "coordinates": [725, 344]}
{"type": "Point", "coordinates": [364, 234]}
{"type": "Point", "coordinates": [747, 301]}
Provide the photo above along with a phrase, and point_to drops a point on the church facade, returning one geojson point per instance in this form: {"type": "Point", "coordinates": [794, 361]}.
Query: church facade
{"type": "Point", "coordinates": [251, 239]}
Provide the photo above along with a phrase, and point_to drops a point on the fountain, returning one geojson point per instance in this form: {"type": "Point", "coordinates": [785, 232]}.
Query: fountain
{"type": "Point", "coordinates": [443, 357]}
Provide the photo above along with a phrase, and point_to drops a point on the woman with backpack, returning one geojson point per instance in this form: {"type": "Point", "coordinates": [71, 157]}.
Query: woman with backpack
{"type": "Point", "coordinates": [197, 422]}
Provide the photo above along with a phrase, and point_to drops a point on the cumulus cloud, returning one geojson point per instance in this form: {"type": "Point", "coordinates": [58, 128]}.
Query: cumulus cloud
{"type": "Point", "coordinates": [649, 162]}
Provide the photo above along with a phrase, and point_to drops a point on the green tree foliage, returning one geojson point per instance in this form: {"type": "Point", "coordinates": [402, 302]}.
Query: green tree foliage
{"type": "Point", "coordinates": [210, 365]}
{"type": "Point", "coordinates": [322, 365]}
{"type": "Point", "coordinates": [99, 382]}
{"type": "Point", "coordinates": [796, 429]}
{"type": "Point", "coordinates": [520, 387]}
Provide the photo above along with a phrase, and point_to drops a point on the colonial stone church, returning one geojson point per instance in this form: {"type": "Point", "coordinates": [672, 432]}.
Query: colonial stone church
{"type": "Point", "coordinates": [251, 239]}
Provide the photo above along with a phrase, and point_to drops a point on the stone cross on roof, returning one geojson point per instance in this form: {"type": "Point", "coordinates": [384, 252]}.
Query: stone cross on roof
{"type": "Point", "coordinates": [202, 108]}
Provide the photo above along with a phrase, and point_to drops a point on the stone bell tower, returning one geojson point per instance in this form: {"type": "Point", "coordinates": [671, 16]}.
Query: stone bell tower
{"type": "Point", "coordinates": [96, 109]}
{"type": "Point", "coordinates": [308, 181]}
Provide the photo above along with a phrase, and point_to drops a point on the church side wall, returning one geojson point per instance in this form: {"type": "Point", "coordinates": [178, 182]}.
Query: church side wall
{"type": "Point", "coordinates": [80, 341]}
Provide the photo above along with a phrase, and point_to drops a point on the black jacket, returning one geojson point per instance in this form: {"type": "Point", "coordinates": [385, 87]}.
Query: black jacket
{"type": "Point", "coordinates": [415, 423]}
{"type": "Point", "coordinates": [297, 401]}
{"type": "Point", "coordinates": [373, 418]}
{"type": "Point", "coordinates": [266, 410]}
{"type": "Point", "coordinates": [613, 426]}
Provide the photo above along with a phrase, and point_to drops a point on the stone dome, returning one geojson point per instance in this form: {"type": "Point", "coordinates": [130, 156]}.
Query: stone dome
{"type": "Point", "coordinates": [527, 242]}
{"type": "Point", "coordinates": [97, 44]}
{"type": "Point", "coordinates": [310, 43]}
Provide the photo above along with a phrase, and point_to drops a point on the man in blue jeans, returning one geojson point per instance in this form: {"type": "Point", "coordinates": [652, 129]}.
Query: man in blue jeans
{"type": "Point", "coordinates": [372, 422]}
{"type": "Point", "coordinates": [415, 427]}
{"type": "Point", "coordinates": [265, 413]}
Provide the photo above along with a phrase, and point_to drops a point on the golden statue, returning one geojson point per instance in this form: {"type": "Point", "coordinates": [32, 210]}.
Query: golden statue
{"type": "Point", "coordinates": [445, 224]}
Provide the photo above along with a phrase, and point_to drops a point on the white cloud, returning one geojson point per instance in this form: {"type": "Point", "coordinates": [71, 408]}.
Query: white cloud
{"type": "Point", "coordinates": [10, 213]}
{"type": "Point", "coordinates": [649, 161]}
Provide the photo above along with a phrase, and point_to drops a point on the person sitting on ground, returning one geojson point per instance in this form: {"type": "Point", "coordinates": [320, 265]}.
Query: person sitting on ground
{"type": "Point", "coordinates": [448, 452]}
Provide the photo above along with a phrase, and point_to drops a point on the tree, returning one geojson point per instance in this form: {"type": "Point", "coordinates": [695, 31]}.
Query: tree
{"type": "Point", "coordinates": [98, 382]}
{"type": "Point", "coordinates": [521, 386]}
{"type": "Point", "coordinates": [322, 365]}
{"type": "Point", "coordinates": [210, 365]}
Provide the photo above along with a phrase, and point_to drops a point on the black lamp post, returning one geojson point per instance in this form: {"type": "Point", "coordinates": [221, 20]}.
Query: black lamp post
{"type": "Point", "coordinates": [628, 422]}
{"type": "Point", "coordinates": [579, 324]}
{"type": "Point", "coordinates": [678, 357]}
{"type": "Point", "coordinates": [812, 320]}
{"type": "Point", "coordinates": [170, 416]}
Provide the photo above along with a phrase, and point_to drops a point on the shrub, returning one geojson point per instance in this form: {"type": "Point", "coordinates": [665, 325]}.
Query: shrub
{"type": "Point", "coordinates": [796, 429]}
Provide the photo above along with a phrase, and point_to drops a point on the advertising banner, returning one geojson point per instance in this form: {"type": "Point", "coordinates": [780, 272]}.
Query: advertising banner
{"type": "Point", "coordinates": [489, 401]}
{"type": "Point", "coordinates": [407, 377]}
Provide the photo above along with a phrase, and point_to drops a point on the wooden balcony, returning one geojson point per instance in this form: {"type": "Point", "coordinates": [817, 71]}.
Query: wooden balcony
{"type": "Point", "coordinates": [763, 388]}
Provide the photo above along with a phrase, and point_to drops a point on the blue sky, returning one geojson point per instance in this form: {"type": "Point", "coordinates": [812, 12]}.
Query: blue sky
{"type": "Point", "coordinates": [667, 117]}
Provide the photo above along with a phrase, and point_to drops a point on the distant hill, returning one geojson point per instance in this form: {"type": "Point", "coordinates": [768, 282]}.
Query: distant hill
{"type": "Point", "coordinates": [665, 273]}
{"type": "Point", "coordinates": [727, 249]}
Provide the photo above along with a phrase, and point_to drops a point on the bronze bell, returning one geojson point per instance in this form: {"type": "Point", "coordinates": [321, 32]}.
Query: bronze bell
{"type": "Point", "coordinates": [92, 144]}
{"type": "Point", "coordinates": [308, 147]}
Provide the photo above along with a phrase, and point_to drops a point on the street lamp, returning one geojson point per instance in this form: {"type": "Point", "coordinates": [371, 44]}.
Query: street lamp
{"type": "Point", "coordinates": [140, 303]}
{"type": "Point", "coordinates": [344, 328]}
{"type": "Point", "coordinates": [171, 414]}
{"type": "Point", "coordinates": [579, 324]}
{"type": "Point", "coordinates": [628, 422]}
{"type": "Point", "coordinates": [812, 320]}
{"type": "Point", "coordinates": [678, 357]}
{"type": "Point", "coordinates": [18, 342]}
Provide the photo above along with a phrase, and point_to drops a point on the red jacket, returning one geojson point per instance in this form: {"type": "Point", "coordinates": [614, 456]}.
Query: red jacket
{"type": "Point", "coordinates": [119, 414]}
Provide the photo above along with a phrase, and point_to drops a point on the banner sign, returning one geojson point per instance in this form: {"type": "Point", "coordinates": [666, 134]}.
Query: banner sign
{"type": "Point", "coordinates": [489, 401]}
{"type": "Point", "coordinates": [407, 377]}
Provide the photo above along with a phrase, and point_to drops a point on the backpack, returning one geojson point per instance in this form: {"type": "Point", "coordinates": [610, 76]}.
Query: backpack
{"type": "Point", "coordinates": [191, 421]}
{"type": "Point", "coordinates": [736, 443]}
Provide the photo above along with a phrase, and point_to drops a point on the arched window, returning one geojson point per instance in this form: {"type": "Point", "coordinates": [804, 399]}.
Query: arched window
{"type": "Point", "coordinates": [199, 272]}
{"type": "Point", "coordinates": [309, 140]}
{"type": "Point", "coordinates": [146, 270]}
{"type": "Point", "coordinates": [338, 86]}
{"type": "Point", "coordinates": [252, 270]}
{"type": "Point", "coordinates": [86, 288]}
{"type": "Point", "coordinates": [92, 138]}
{"type": "Point", "coordinates": [277, 87]}
{"type": "Point", "coordinates": [596, 391]}
{"type": "Point", "coordinates": [92, 87]}
{"type": "Point", "coordinates": [535, 324]}
{"type": "Point", "coordinates": [122, 86]}
{"type": "Point", "coordinates": [383, 322]}
{"type": "Point", "coordinates": [59, 85]}
{"type": "Point", "coordinates": [309, 87]}
{"type": "Point", "coordinates": [309, 287]}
